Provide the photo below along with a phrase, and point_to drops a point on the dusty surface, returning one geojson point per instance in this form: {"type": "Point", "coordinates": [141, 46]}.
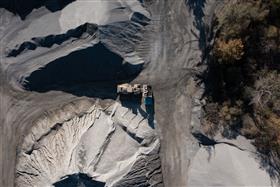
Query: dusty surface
{"type": "Point", "coordinates": [229, 166]}
{"type": "Point", "coordinates": [43, 123]}
{"type": "Point", "coordinates": [104, 144]}
{"type": "Point", "coordinates": [53, 59]}
{"type": "Point", "coordinates": [177, 49]}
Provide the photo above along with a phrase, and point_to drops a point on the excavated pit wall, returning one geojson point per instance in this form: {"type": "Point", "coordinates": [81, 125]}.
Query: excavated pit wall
{"type": "Point", "coordinates": [38, 122]}
{"type": "Point", "coordinates": [105, 144]}
{"type": "Point", "coordinates": [164, 42]}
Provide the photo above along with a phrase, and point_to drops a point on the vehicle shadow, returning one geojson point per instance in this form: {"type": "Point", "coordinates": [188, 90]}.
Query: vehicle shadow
{"type": "Point", "coordinates": [135, 103]}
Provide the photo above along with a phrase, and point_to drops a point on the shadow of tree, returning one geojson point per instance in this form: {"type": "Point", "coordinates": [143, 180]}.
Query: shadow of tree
{"type": "Point", "coordinates": [197, 6]}
{"type": "Point", "coordinates": [206, 28]}
{"type": "Point", "coordinates": [134, 103]}
{"type": "Point", "coordinates": [268, 163]}
{"type": "Point", "coordinates": [213, 80]}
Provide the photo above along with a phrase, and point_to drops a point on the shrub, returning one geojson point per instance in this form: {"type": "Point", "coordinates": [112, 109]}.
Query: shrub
{"type": "Point", "coordinates": [269, 139]}
{"type": "Point", "coordinates": [267, 93]}
{"type": "Point", "coordinates": [249, 128]}
{"type": "Point", "coordinates": [267, 106]}
{"type": "Point", "coordinates": [253, 24]}
{"type": "Point", "coordinates": [235, 17]}
{"type": "Point", "coordinates": [272, 32]}
{"type": "Point", "coordinates": [275, 3]}
{"type": "Point", "coordinates": [229, 51]}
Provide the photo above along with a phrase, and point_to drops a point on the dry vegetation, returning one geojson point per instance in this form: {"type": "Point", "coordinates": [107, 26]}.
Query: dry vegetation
{"type": "Point", "coordinates": [243, 80]}
{"type": "Point", "coordinates": [229, 51]}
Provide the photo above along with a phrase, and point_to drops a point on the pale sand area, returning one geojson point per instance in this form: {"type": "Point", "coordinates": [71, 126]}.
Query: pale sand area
{"type": "Point", "coordinates": [226, 165]}
{"type": "Point", "coordinates": [41, 22]}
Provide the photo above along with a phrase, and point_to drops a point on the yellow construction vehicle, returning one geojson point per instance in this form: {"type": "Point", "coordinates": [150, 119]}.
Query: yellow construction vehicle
{"type": "Point", "coordinates": [129, 89]}
{"type": "Point", "coordinates": [137, 89]}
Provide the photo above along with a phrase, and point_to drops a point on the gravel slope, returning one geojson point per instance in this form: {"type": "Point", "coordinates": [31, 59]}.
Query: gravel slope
{"type": "Point", "coordinates": [80, 53]}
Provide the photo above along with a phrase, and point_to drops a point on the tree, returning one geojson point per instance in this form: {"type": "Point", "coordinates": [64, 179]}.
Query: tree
{"type": "Point", "coordinates": [229, 51]}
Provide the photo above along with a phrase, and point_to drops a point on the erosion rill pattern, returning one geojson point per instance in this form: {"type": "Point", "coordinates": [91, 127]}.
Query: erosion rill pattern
{"type": "Point", "coordinates": [50, 131]}
{"type": "Point", "coordinates": [105, 144]}
{"type": "Point", "coordinates": [60, 64]}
